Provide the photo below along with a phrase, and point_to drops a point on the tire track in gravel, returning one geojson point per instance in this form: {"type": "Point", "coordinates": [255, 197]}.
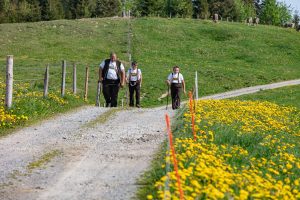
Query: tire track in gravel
{"type": "Point", "coordinates": [100, 161]}
{"type": "Point", "coordinates": [97, 161]}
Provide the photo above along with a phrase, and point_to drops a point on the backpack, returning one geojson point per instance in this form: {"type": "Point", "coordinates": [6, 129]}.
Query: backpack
{"type": "Point", "coordinates": [106, 66]}
{"type": "Point", "coordinates": [137, 74]}
{"type": "Point", "coordinates": [173, 77]}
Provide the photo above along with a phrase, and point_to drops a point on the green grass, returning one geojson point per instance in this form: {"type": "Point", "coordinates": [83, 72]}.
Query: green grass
{"type": "Point", "coordinates": [286, 96]}
{"type": "Point", "coordinates": [43, 160]}
{"type": "Point", "coordinates": [34, 45]}
{"type": "Point", "coordinates": [39, 163]}
{"type": "Point", "coordinates": [86, 42]}
{"type": "Point", "coordinates": [102, 118]}
{"type": "Point", "coordinates": [226, 55]}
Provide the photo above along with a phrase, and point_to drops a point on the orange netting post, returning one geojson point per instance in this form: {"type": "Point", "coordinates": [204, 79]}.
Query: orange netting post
{"type": "Point", "coordinates": [174, 156]}
{"type": "Point", "coordinates": [192, 111]}
{"type": "Point", "coordinates": [191, 101]}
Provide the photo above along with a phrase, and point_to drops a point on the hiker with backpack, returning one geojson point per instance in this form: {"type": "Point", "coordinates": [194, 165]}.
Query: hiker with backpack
{"type": "Point", "coordinates": [134, 80]}
{"type": "Point", "coordinates": [176, 82]}
{"type": "Point", "coordinates": [112, 76]}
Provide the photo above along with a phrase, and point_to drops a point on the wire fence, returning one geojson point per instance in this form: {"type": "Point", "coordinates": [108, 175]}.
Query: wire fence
{"type": "Point", "coordinates": [28, 78]}
{"type": "Point", "coordinates": [33, 74]}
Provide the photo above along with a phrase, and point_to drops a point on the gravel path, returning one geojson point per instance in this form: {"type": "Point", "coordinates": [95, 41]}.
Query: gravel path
{"type": "Point", "coordinates": [253, 89]}
{"type": "Point", "coordinates": [97, 153]}
{"type": "Point", "coordinates": [97, 160]}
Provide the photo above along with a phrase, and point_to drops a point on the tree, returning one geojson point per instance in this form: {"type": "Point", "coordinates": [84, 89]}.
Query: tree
{"type": "Point", "coordinates": [107, 8]}
{"type": "Point", "coordinates": [45, 10]}
{"type": "Point", "coordinates": [257, 5]}
{"type": "Point", "coordinates": [269, 12]}
{"type": "Point", "coordinates": [200, 9]}
{"type": "Point", "coordinates": [82, 9]}
{"type": "Point", "coordinates": [56, 9]}
{"type": "Point", "coordinates": [239, 13]}
{"type": "Point", "coordinates": [187, 8]}
{"type": "Point", "coordinates": [26, 11]}
{"type": "Point", "coordinates": [2, 6]}
{"type": "Point", "coordinates": [284, 13]}
{"type": "Point", "coordinates": [249, 6]}
{"type": "Point", "coordinates": [151, 8]}
{"type": "Point", "coordinates": [296, 19]}
{"type": "Point", "coordinates": [183, 8]}
{"type": "Point", "coordinates": [97, 10]}
{"type": "Point", "coordinates": [3, 9]}
{"type": "Point", "coordinates": [274, 13]}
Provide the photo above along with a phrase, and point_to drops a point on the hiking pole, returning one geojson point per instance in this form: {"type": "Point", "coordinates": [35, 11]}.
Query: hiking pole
{"type": "Point", "coordinates": [126, 93]}
{"type": "Point", "coordinates": [98, 103]}
{"type": "Point", "coordinates": [168, 97]}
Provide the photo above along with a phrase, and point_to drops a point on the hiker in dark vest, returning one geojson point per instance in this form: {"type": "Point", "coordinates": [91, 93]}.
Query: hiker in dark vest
{"type": "Point", "coordinates": [176, 81]}
{"type": "Point", "coordinates": [112, 76]}
{"type": "Point", "coordinates": [134, 79]}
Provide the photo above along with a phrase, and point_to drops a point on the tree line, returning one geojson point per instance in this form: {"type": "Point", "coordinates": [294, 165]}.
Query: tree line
{"type": "Point", "coordinates": [269, 11]}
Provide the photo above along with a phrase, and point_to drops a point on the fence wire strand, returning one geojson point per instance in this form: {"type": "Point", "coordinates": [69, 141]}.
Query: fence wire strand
{"type": "Point", "coordinates": [22, 80]}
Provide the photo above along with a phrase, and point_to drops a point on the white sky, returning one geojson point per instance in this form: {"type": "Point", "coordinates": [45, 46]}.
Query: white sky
{"type": "Point", "coordinates": [295, 4]}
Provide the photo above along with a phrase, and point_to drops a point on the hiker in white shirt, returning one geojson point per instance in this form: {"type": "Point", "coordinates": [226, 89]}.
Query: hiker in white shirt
{"type": "Point", "coordinates": [176, 82]}
{"type": "Point", "coordinates": [112, 76]}
{"type": "Point", "coordinates": [134, 80]}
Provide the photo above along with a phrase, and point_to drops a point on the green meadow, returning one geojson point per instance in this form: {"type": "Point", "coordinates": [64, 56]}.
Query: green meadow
{"type": "Point", "coordinates": [286, 96]}
{"type": "Point", "coordinates": [226, 55]}
{"type": "Point", "coordinates": [265, 146]}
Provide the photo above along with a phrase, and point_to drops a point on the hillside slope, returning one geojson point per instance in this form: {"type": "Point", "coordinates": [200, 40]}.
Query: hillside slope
{"type": "Point", "coordinates": [226, 55]}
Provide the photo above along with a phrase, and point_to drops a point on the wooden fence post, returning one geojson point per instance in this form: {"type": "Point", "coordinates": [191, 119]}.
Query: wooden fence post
{"type": "Point", "coordinates": [63, 79]}
{"type": "Point", "coordinates": [74, 79]}
{"type": "Point", "coordinates": [46, 81]}
{"type": "Point", "coordinates": [86, 83]}
{"type": "Point", "coordinates": [9, 81]}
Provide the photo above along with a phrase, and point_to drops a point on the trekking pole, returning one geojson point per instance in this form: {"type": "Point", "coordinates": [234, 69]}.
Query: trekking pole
{"type": "Point", "coordinates": [126, 93]}
{"type": "Point", "coordinates": [168, 97]}
{"type": "Point", "coordinates": [98, 103]}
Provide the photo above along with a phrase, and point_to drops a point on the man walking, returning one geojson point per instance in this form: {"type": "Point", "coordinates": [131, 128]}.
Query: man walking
{"type": "Point", "coordinates": [112, 76]}
{"type": "Point", "coordinates": [134, 79]}
{"type": "Point", "coordinates": [176, 81]}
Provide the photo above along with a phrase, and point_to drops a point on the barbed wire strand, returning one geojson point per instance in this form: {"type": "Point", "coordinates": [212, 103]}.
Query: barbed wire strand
{"type": "Point", "coordinates": [29, 68]}
{"type": "Point", "coordinates": [20, 80]}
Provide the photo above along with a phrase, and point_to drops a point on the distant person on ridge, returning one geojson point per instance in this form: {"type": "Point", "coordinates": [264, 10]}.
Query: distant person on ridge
{"type": "Point", "coordinates": [112, 76]}
{"type": "Point", "coordinates": [216, 18]}
{"type": "Point", "coordinates": [134, 79]}
{"type": "Point", "coordinates": [176, 82]}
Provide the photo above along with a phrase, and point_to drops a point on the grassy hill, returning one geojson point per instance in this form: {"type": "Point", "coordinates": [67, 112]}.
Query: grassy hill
{"type": "Point", "coordinates": [226, 55]}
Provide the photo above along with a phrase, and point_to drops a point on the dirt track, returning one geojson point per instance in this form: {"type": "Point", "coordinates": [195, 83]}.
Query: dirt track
{"type": "Point", "coordinates": [92, 158]}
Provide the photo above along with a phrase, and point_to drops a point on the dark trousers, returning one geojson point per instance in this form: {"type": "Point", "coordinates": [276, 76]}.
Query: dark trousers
{"type": "Point", "coordinates": [134, 88]}
{"type": "Point", "coordinates": [110, 92]}
{"type": "Point", "coordinates": [175, 94]}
